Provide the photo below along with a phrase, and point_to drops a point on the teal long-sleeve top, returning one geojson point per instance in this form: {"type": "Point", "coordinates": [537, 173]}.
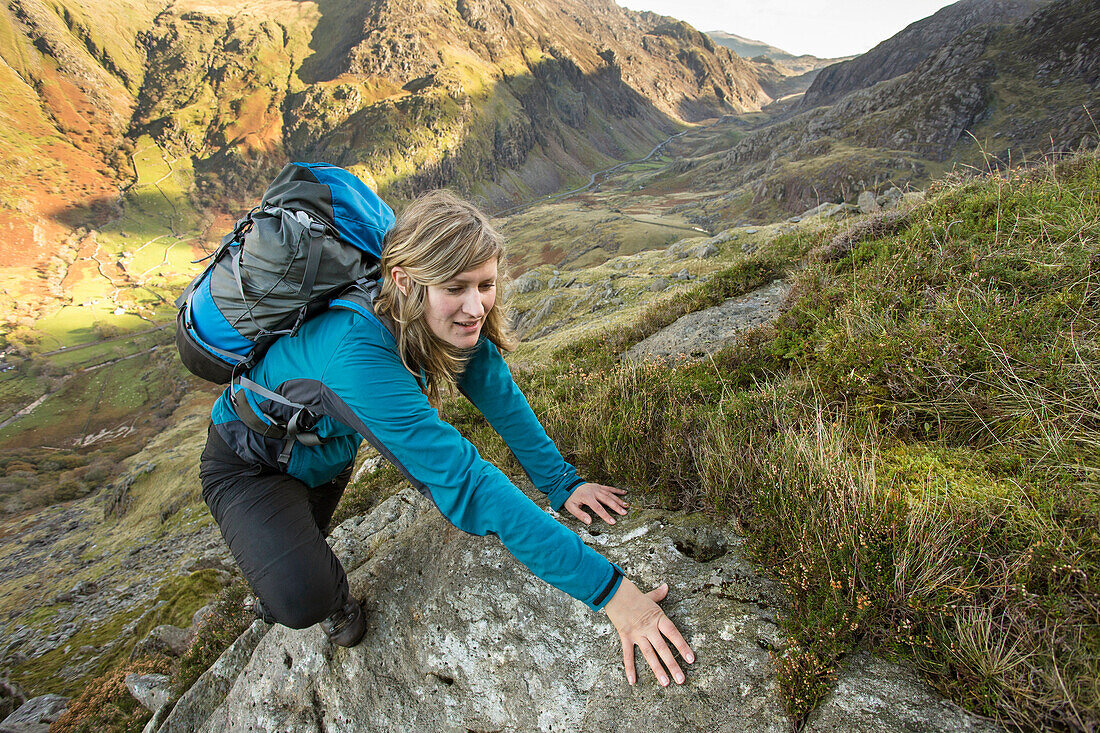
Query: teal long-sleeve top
{"type": "Point", "coordinates": [344, 366]}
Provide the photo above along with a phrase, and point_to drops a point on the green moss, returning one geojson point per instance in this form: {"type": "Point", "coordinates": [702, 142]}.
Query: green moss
{"type": "Point", "coordinates": [175, 603]}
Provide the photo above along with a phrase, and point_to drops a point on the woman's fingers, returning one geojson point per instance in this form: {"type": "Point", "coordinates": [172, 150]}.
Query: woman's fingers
{"type": "Point", "coordinates": [666, 627]}
{"type": "Point", "coordinates": [654, 661]}
{"type": "Point", "coordinates": [614, 502]}
{"type": "Point", "coordinates": [667, 657]}
{"type": "Point", "coordinates": [628, 660]}
{"type": "Point", "coordinates": [601, 512]}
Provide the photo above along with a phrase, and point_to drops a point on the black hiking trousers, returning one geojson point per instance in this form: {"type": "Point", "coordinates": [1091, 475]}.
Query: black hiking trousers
{"type": "Point", "coordinates": [275, 527]}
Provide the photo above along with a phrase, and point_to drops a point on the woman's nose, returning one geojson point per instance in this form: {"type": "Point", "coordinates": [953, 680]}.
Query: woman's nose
{"type": "Point", "coordinates": [472, 304]}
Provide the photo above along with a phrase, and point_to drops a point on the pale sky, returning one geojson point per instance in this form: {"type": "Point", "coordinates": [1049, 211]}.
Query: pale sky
{"type": "Point", "coordinates": [825, 29]}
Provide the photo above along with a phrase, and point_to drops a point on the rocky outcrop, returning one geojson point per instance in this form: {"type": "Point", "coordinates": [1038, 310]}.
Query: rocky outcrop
{"type": "Point", "coordinates": [704, 332]}
{"type": "Point", "coordinates": [461, 637]}
{"type": "Point", "coordinates": [902, 52]}
{"type": "Point", "coordinates": [35, 715]}
{"type": "Point", "coordinates": [875, 696]}
{"type": "Point", "coordinates": [209, 691]}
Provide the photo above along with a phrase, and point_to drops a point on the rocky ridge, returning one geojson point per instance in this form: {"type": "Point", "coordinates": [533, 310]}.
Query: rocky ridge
{"type": "Point", "coordinates": [1015, 94]}
{"type": "Point", "coordinates": [461, 637]}
{"type": "Point", "coordinates": [904, 51]}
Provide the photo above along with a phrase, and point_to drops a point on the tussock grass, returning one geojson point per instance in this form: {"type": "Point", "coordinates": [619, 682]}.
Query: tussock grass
{"type": "Point", "coordinates": [911, 448]}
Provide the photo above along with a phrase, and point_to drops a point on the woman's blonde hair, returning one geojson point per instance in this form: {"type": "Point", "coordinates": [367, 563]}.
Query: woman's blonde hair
{"type": "Point", "coordinates": [437, 237]}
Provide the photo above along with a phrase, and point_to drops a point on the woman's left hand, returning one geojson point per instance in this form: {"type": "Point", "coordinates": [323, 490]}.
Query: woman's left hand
{"type": "Point", "coordinates": [598, 498]}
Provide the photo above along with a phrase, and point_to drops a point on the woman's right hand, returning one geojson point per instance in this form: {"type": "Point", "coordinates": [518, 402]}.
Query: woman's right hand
{"type": "Point", "coordinates": [641, 622]}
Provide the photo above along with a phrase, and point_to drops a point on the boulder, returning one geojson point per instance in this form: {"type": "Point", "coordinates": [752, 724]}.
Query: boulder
{"type": "Point", "coordinates": [200, 616]}
{"type": "Point", "coordinates": [826, 210]}
{"type": "Point", "coordinates": [867, 203]}
{"type": "Point", "coordinates": [526, 283]}
{"type": "Point", "coordinates": [165, 639]}
{"type": "Point", "coordinates": [461, 637]}
{"type": "Point", "coordinates": [659, 284]}
{"type": "Point", "coordinates": [706, 331]}
{"type": "Point", "coordinates": [151, 690]}
{"type": "Point", "coordinates": [875, 696]}
{"type": "Point", "coordinates": [35, 715]}
{"type": "Point", "coordinates": [194, 706]}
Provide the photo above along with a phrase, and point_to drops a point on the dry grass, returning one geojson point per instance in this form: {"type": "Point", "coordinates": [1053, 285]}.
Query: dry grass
{"type": "Point", "coordinates": [912, 449]}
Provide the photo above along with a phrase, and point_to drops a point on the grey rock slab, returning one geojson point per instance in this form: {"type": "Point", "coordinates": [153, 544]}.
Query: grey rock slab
{"type": "Point", "coordinates": [826, 209]}
{"type": "Point", "coordinates": [164, 639]}
{"type": "Point", "coordinates": [461, 637]}
{"type": "Point", "coordinates": [200, 616]}
{"type": "Point", "coordinates": [709, 330]}
{"type": "Point", "coordinates": [151, 690]}
{"type": "Point", "coordinates": [194, 707]}
{"type": "Point", "coordinates": [35, 715]}
{"type": "Point", "coordinates": [526, 283]}
{"type": "Point", "coordinates": [876, 696]}
{"type": "Point", "coordinates": [867, 203]}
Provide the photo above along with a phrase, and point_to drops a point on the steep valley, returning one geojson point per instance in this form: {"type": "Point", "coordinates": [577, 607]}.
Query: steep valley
{"type": "Point", "coordinates": [638, 169]}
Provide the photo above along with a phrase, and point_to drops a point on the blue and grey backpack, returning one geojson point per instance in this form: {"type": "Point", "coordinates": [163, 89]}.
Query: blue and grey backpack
{"type": "Point", "coordinates": [317, 231]}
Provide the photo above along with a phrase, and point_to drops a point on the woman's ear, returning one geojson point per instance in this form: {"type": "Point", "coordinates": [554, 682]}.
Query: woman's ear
{"type": "Point", "coordinates": [400, 279]}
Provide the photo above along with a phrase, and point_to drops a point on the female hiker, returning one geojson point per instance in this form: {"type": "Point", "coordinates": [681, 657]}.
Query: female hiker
{"type": "Point", "coordinates": [376, 368]}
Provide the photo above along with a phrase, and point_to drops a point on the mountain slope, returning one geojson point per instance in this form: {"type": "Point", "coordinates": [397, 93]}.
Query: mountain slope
{"type": "Point", "coordinates": [498, 100]}
{"type": "Point", "coordinates": [1010, 92]}
{"type": "Point", "coordinates": [417, 95]}
{"type": "Point", "coordinates": [750, 49]}
{"type": "Point", "coordinates": [144, 127]}
{"type": "Point", "coordinates": [66, 86]}
{"type": "Point", "coordinates": [902, 52]}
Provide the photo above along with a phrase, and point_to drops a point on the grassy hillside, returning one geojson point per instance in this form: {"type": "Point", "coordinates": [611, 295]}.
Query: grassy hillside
{"type": "Point", "coordinates": [911, 449]}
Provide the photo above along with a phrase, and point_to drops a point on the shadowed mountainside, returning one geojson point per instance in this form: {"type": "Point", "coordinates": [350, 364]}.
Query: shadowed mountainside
{"type": "Point", "coordinates": [1008, 92]}
{"type": "Point", "coordinates": [902, 52]}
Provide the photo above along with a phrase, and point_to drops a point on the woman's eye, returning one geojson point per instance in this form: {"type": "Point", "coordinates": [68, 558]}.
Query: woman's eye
{"type": "Point", "coordinates": [454, 290]}
{"type": "Point", "coordinates": [486, 287]}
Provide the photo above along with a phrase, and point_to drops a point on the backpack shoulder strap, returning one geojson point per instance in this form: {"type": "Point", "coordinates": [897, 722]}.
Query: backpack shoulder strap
{"type": "Point", "coordinates": [359, 297]}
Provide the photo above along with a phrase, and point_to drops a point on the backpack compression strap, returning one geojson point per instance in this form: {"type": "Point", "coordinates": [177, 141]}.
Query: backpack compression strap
{"type": "Point", "coordinates": [268, 426]}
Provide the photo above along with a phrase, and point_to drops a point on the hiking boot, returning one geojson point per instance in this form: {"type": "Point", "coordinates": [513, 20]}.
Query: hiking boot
{"type": "Point", "coordinates": [347, 626]}
{"type": "Point", "coordinates": [253, 605]}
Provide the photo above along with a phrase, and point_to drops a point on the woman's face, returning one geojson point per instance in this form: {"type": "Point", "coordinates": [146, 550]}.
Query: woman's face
{"type": "Point", "coordinates": [456, 310]}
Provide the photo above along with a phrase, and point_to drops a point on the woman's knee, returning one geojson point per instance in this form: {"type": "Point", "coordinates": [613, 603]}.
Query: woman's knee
{"type": "Point", "coordinates": [300, 610]}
